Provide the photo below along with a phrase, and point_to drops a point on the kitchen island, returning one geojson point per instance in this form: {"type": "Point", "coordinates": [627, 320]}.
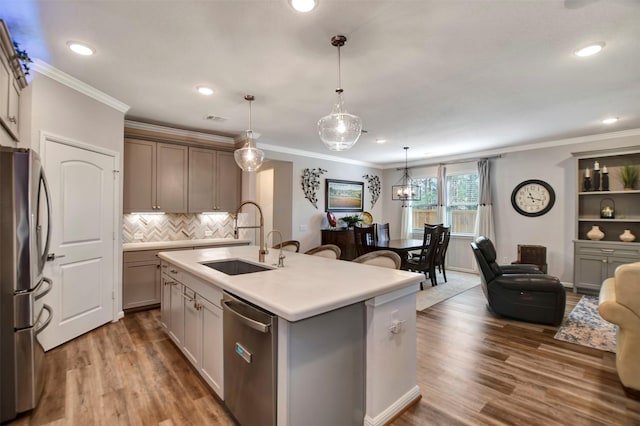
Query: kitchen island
{"type": "Point", "coordinates": [346, 344]}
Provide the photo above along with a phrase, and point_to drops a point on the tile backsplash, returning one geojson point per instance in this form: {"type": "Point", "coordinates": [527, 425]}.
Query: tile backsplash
{"type": "Point", "coordinates": [172, 227]}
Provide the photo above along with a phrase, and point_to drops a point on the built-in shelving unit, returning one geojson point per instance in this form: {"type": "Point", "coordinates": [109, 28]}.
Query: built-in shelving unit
{"type": "Point", "coordinates": [594, 261]}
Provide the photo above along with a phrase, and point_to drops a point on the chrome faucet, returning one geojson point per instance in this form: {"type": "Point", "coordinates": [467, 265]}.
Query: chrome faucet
{"type": "Point", "coordinates": [263, 248]}
{"type": "Point", "coordinates": [281, 256]}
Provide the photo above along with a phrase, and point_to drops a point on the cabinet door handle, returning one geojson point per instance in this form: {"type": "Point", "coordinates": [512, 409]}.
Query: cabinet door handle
{"type": "Point", "coordinates": [173, 271]}
{"type": "Point", "coordinates": [607, 250]}
{"type": "Point", "coordinates": [13, 119]}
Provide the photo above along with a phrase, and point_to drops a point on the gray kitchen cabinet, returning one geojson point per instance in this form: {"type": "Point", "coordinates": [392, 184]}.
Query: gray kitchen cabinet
{"type": "Point", "coordinates": [594, 261]}
{"type": "Point", "coordinates": [194, 322]}
{"type": "Point", "coordinates": [214, 181]}
{"type": "Point", "coordinates": [12, 81]}
{"type": "Point", "coordinates": [141, 276]}
{"type": "Point", "coordinates": [165, 301]}
{"type": "Point", "coordinates": [155, 177]}
{"type": "Point", "coordinates": [176, 312]}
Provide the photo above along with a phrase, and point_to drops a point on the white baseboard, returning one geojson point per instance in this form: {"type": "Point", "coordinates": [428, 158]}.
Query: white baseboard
{"type": "Point", "coordinates": [392, 410]}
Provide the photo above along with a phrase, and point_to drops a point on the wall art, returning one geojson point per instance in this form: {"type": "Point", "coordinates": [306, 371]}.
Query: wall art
{"type": "Point", "coordinates": [311, 184]}
{"type": "Point", "coordinates": [374, 187]}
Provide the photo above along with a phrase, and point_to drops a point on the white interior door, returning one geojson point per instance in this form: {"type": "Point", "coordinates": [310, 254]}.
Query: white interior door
{"type": "Point", "coordinates": [82, 192]}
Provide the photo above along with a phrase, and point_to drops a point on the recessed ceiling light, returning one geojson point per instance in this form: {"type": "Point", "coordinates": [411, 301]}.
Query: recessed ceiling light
{"type": "Point", "coordinates": [81, 48]}
{"type": "Point", "coordinates": [379, 140]}
{"type": "Point", "coordinates": [203, 90]}
{"type": "Point", "coordinates": [303, 5]}
{"type": "Point", "coordinates": [610, 120]}
{"type": "Point", "coordinates": [592, 49]}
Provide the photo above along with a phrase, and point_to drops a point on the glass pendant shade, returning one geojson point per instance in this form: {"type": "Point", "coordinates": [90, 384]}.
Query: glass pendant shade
{"type": "Point", "coordinates": [339, 131]}
{"type": "Point", "coordinates": [249, 158]}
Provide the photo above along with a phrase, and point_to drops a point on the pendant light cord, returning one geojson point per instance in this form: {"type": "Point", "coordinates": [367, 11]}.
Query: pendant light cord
{"type": "Point", "coordinates": [339, 89]}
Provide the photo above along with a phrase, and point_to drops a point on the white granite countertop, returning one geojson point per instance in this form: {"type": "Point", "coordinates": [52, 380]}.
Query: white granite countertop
{"type": "Point", "coordinates": [305, 287]}
{"type": "Point", "coordinates": [154, 245]}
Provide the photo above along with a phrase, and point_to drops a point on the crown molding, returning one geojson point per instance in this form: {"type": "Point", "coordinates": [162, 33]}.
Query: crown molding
{"type": "Point", "coordinates": [316, 155]}
{"type": "Point", "coordinates": [77, 85]}
{"type": "Point", "coordinates": [182, 133]}
{"type": "Point", "coordinates": [500, 152]}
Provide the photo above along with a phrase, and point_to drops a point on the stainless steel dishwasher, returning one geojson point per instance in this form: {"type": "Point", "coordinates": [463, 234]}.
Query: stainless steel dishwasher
{"type": "Point", "coordinates": [250, 359]}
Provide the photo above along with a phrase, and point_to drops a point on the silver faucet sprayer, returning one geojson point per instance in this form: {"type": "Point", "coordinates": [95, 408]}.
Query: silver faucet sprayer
{"type": "Point", "coordinates": [263, 248]}
{"type": "Point", "coordinates": [281, 256]}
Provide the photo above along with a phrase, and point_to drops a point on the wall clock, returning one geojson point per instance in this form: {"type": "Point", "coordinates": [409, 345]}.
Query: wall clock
{"type": "Point", "coordinates": [533, 197]}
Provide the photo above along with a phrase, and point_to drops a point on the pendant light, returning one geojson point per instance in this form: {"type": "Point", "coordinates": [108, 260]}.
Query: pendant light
{"type": "Point", "coordinates": [406, 191]}
{"type": "Point", "coordinates": [249, 158]}
{"type": "Point", "coordinates": [339, 130]}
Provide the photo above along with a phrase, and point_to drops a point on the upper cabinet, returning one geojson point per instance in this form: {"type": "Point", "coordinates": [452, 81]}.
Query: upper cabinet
{"type": "Point", "coordinates": [214, 181]}
{"type": "Point", "coordinates": [176, 178]}
{"type": "Point", "coordinates": [155, 177]}
{"type": "Point", "coordinates": [12, 81]}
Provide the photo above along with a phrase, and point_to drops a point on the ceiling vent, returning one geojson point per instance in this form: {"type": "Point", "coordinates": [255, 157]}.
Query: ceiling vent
{"type": "Point", "coordinates": [216, 118]}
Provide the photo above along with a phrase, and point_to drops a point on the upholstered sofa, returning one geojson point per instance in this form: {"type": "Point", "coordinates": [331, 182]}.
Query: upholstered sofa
{"type": "Point", "coordinates": [620, 304]}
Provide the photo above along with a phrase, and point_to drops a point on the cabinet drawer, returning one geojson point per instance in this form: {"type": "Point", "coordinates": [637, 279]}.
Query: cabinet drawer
{"type": "Point", "coordinates": [140, 256]}
{"type": "Point", "coordinates": [630, 250]}
{"type": "Point", "coordinates": [173, 272]}
{"type": "Point", "coordinates": [206, 290]}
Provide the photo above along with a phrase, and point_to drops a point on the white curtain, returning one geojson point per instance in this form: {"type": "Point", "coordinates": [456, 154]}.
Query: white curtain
{"type": "Point", "coordinates": [442, 193]}
{"type": "Point", "coordinates": [484, 218]}
{"type": "Point", "coordinates": [406, 229]}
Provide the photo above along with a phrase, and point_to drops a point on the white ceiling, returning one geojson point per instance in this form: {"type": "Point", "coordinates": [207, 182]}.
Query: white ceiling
{"type": "Point", "coordinates": [443, 77]}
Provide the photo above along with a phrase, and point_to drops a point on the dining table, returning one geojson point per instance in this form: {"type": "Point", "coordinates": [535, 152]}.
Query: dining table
{"type": "Point", "coordinates": [402, 246]}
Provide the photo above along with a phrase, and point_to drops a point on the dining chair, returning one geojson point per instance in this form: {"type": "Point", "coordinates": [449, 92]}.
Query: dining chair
{"type": "Point", "coordinates": [290, 245]}
{"type": "Point", "coordinates": [364, 238]}
{"type": "Point", "coordinates": [382, 231]}
{"type": "Point", "coordinates": [384, 258]}
{"type": "Point", "coordinates": [330, 251]}
{"type": "Point", "coordinates": [441, 251]}
{"type": "Point", "coordinates": [425, 261]}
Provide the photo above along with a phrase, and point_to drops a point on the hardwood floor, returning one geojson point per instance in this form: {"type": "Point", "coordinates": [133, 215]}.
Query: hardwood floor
{"type": "Point", "coordinates": [473, 369]}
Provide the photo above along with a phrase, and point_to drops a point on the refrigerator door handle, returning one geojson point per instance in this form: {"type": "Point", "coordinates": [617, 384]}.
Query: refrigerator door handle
{"type": "Point", "coordinates": [45, 250]}
{"type": "Point", "coordinates": [40, 295]}
{"type": "Point", "coordinates": [44, 325]}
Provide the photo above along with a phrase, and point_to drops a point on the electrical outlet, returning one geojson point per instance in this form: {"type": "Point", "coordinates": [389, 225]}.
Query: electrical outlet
{"type": "Point", "coordinates": [138, 236]}
{"type": "Point", "coordinates": [505, 260]}
{"type": "Point", "coordinates": [208, 233]}
{"type": "Point", "coordinates": [304, 228]}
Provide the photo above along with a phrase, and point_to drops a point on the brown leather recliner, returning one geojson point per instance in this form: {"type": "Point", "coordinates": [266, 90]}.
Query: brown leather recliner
{"type": "Point", "coordinates": [620, 304]}
{"type": "Point", "coordinates": [520, 292]}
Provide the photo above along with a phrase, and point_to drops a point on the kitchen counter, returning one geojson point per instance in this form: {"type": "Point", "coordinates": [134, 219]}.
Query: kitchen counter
{"type": "Point", "coordinates": [154, 245]}
{"type": "Point", "coordinates": [305, 287]}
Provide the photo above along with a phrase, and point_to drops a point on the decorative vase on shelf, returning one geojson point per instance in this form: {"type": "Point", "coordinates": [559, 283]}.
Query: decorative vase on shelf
{"type": "Point", "coordinates": [627, 236]}
{"type": "Point", "coordinates": [595, 233]}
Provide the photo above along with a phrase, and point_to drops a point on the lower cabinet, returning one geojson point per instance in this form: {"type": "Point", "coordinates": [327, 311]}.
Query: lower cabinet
{"type": "Point", "coordinates": [192, 315]}
{"type": "Point", "coordinates": [595, 261]}
{"type": "Point", "coordinates": [141, 276]}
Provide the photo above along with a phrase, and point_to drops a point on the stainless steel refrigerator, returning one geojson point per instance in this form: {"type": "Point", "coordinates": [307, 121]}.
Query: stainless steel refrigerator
{"type": "Point", "coordinates": [25, 232]}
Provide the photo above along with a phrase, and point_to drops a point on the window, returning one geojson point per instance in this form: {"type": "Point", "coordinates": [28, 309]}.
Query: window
{"type": "Point", "coordinates": [425, 210]}
{"type": "Point", "coordinates": [462, 203]}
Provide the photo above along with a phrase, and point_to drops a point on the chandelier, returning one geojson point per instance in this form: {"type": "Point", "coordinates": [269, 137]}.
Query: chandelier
{"type": "Point", "coordinates": [406, 191]}
{"type": "Point", "coordinates": [249, 158]}
{"type": "Point", "coordinates": [339, 130]}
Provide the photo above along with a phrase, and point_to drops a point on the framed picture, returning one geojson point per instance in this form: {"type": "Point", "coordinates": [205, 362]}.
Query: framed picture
{"type": "Point", "coordinates": [344, 196]}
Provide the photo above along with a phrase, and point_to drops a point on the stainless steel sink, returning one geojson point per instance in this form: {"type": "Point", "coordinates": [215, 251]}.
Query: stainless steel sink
{"type": "Point", "coordinates": [236, 267]}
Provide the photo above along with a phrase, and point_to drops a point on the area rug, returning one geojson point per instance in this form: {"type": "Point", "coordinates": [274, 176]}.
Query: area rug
{"type": "Point", "coordinates": [457, 282]}
{"type": "Point", "coordinates": [584, 326]}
